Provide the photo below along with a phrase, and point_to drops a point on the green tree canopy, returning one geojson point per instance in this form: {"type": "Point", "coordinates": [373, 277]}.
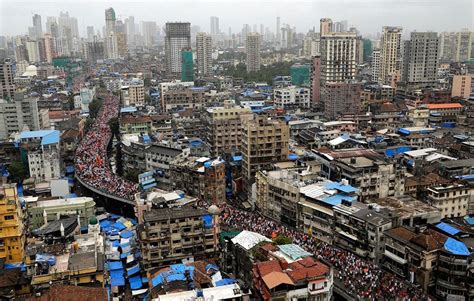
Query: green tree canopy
{"type": "Point", "coordinates": [282, 240]}
{"type": "Point", "coordinates": [94, 107]}
{"type": "Point", "coordinates": [17, 171]}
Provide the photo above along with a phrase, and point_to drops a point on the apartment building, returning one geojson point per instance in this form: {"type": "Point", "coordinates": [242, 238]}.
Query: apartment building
{"type": "Point", "coordinates": [341, 98]}
{"type": "Point", "coordinates": [41, 212]}
{"type": "Point", "coordinates": [7, 84]}
{"type": "Point", "coordinates": [292, 97]}
{"type": "Point", "coordinates": [12, 227]}
{"type": "Point", "coordinates": [375, 176]}
{"type": "Point", "coordinates": [20, 112]}
{"type": "Point", "coordinates": [182, 97]}
{"type": "Point", "coordinates": [200, 177]}
{"type": "Point", "coordinates": [133, 94]}
{"type": "Point", "coordinates": [43, 150]}
{"type": "Point", "coordinates": [359, 228]}
{"type": "Point", "coordinates": [224, 127]}
{"type": "Point", "coordinates": [338, 56]}
{"type": "Point", "coordinates": [135, 124]}
{"type": "Point", "coordinates": [168, 236]}
{"type": "Point", "coordinates": [264, 142]}
{"type": "Point", "coordinates": [453, 200]}
{"type": "Point", "coordinates": [461, 86]}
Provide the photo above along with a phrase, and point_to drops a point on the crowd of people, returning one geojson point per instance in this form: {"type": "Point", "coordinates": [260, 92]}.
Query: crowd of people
{"type": "Point", "coordinates": [91, 156]}
{"type": "Point", "coordinates": [359, 277]}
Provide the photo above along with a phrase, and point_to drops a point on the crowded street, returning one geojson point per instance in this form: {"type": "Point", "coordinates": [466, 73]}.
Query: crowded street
{"type": "Point", "coordinates": [359, 277]}
{"type": "Point", "coordinates": [91, 156]}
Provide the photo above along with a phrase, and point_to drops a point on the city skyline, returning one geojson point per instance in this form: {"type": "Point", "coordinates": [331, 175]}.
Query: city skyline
{"type": "Point", "coordinates": [411, 15]}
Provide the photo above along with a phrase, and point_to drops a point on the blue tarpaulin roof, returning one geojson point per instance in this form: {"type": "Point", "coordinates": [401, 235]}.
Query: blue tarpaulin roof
{"type": "Point", "coordinates": [456, 247]}
{"type": "Point", "coordinates": [448, 228]}
{"type": "Point", "coordinates": [392, 152]}
{"type": "Point", "coordinates": [116, 273]}
{"type": "Point", "coordinates": [341, 187]}
{"type": "Point", "coordinates": [207, 219]}
{"type": "Point", "coordinates": [293, 157]}
{"type": "Point", "coordinates": [225, 281]}
{"type": "Point", "coordinates": [115, 265]}
{"type": "Point", "coordinates": [15, 265]}
{"type": "Point", "coordinates": [47, 136]}
{"type": "Point", "coordinates": [237, 158]}
{"type": "Point", "coordinates": [135, 282]}
{"type": "Point", "coordinates": [117, 281]}
{"type": "Point", "coordinates": [469, 220]}
{"type": "Point", "coordinates": [50, 259]}
{"type": "Point", "coordinates": [126, 234]}
{"type": "Point", "coordinates": [133, 270]}
{"type": "Point", "coordinates": [212, 266]}
{"type": "Point", "coordinates": [69, 169]}
{"type": "Point", "coordinates": [337, 199]}
{"type": "Point", "coordinates": [119, 226]}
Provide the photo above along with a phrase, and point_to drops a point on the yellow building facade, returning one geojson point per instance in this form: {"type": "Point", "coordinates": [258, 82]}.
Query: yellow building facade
{"type": "Point", "coordinates": [12, 230]}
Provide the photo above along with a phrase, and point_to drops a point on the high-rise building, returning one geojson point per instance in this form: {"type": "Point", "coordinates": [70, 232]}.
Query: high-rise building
{"type": "Point", "coordinates": [215, 26]}
{"type": "Point", "coordinates": [447, 46]}
{"type": "Point", "coordinates": [368, 48]}
{"type": "Point", "coordinates": [278, 32]}
{"type": "Point", "coordinates": [178, 37]}
{"type": "Point", "coordinates": [325, 26]}
{"type": "Point", "coordinates": [341, 98]}
{"type": "Point", "coordinates": [130, 30]}
{"type": "Point", "coordinates": [90, 33]}
{"type": "Point", "coordinates": [316, 81]}
{"type": "Point", "coordinates": [375, 65]}
{"type": "Point", "coordinates": [338, 56]}
{"type": "Point", "coordinates": [33, 51]}
{"type": "Point", "coordinates": [7, 85]}
{"type": "Point", "coordinates": [111, 41]}
{"type": "Point", "coordinates": [420, 58]}
{"type": "Point", "coordinates": [17, 113]}
{"type": "Point", "coordinates": [252, 48]}
{"type": "Point", "coordinates": [95, 51]}
{"type": "Point", "coordinates": [204, 54]}
{"type": "Point", "coordinates": [38, 28]}
{"type": "Point", "coordinates": [463, 45]}
{"type": "Point", "coordinates": [187, 65]}
{"type": "Point", "coordinates": [390, 52]}
{"type": "Point", "coordinates": [12, 229]}
{"type": "Point", "coordinates": [149, 32]}
{"type": "Point", "coordinates": [264, 142]}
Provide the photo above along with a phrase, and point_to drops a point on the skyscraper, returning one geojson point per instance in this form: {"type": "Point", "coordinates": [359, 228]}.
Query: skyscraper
{"type": "Point", "coordinates": [90, 33]}
{"type": "Point", "coordinates": [338, 56]}
{"type": "Point", "coordinates": [130, 30]}
{"type": "Point", "coordinates": [111, 34]}
{"type": "Point", "coordinates": [463, 45]}
{"type": "Point", "coordinates": [252, 48]}
{"type": "Point", "coordinates": [7, 85]}
{"type": "Point", "coordinates": [375, 65]}
{"type": "Point", "coordinates": [187, 65]}
{"type": "Point", "coordinates": [420, 58]}
{"type": "Point", "coordinates": [37, 26]}
{"type": "Point", "coordinates": [204, 54]}
{"type": "Point", "coordinates": [178, 37]}
{"type": "Point", "coordinates": [325, 26]}
{"type": "Point", "coordinates": [278, 32]}
{"type": "Point", "coordinates": [390, 53]}
{"type": "Point", "coordinates": [215, 26]}
{"type": "Point", "coordinates": [149, 33]}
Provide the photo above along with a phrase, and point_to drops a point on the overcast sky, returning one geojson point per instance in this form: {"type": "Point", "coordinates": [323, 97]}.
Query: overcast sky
{"type": "Point", "coordinates": [367, 15]}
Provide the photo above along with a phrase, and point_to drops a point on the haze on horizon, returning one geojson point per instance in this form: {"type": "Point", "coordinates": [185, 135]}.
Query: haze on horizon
{"type": "Point", "coordinates": [368, 16]}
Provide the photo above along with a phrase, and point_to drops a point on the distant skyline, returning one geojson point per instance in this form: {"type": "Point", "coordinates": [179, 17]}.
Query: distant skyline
{"type": "Point", "coordinates": [368, 16]}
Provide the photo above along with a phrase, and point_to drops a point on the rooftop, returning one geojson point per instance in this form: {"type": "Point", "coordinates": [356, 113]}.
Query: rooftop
{"type": "Point", "coordinates": [454, 105]}
{"type": "Point", "coordinates": [46, 136]}
{"type": "Point", "coordinates": [248, 239]}
{"type": "Point", "coordinates": [167, 213]}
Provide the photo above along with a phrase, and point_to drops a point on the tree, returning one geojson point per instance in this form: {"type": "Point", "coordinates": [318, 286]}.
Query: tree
{"type": "Point", "coordinates": [114, 126]}
{"type": "Point", "coordinates": [17, 171]}
{"type": "Point", "coordinates": [70, 101]}
{"type": "Point", "coordinates": [94, 107]}
{"type": "Point", "coordinates": [88, 124]}
{"type": "Point", "coordinates": [118, 160]}
{"type": "Point", "coordinates": [282, 240]}
{"type": "Point", "coordinates": [132, 175]}
{"type": "Point", "coordinates": [147, 82]}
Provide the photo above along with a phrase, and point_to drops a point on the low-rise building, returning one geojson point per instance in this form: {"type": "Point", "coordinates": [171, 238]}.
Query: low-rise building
{"type": "Point", "coordinates": [182, 97]}
{"type": "Point", "coordinates": [292, 97]}
{"type": "Point", "coordinates": [41, 212]}
{"type": "Point", "coordinates": [203, 178]}
{"type": "Point", "coordinates": [135, 124]}
{"type": "Point", "coordinates": [133, 94]}
{"type": "Point", "coordinates": [452, 199]}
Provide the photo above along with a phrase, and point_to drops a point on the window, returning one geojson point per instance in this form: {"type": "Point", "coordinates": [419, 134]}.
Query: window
{"type": "Point", "coordinates": [8, 217]}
